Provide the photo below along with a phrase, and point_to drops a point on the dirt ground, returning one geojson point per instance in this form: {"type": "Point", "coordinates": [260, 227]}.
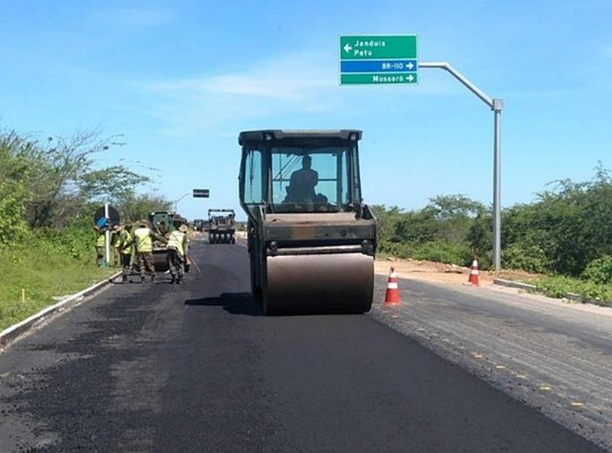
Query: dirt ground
{"type": "Point", "coordinates": [439, 272]}
{"type": "Point", "coordinates": [443, 273]}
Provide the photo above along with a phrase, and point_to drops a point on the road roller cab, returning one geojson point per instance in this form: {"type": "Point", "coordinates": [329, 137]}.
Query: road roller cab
{"type": "Point", "coordinates": [311, 240]}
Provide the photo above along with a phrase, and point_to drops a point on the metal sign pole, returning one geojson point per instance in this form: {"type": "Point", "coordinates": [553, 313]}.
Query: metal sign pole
{"type": "Point", "coordinates": [496, 105]}
{"type": "Point", "coordinates": [497, 108]}
{"type": "Point", "coordinates": [176, 202]}
{"type": "Point", "coordinates": [107, 234]}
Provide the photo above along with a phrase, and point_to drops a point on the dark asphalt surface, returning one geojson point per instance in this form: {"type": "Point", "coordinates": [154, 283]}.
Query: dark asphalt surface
{"type": "Point", "coordinates": [554, 356]}
{"type": "Point", "coordinates": [161, 368]}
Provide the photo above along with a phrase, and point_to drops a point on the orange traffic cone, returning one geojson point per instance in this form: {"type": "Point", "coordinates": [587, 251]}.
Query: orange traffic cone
{"type": "Point", "coordinates": [473, 279]}
{"type": "Point", "coordinates": [393, 296]}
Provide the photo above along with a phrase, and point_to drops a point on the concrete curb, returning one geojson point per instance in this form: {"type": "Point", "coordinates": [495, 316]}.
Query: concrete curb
{"type": "Point", "coordinates": [14, 332]}
{"type": "Point", "coordinates": [512, 284]}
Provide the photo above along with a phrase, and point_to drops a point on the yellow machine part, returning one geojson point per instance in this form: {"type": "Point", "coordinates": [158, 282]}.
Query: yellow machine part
{"type": "Point", "coordinates": [319, 283]}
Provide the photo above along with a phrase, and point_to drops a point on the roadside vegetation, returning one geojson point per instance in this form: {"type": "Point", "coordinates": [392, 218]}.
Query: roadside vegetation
{"type": "Point", "coordinates": [565, 235]}
{"type": "Point", "coordinates": [49, 191]}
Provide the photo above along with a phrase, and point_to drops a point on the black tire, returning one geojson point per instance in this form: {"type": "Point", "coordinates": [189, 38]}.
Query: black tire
{"type": "Point", "coordinates": [267, 307]}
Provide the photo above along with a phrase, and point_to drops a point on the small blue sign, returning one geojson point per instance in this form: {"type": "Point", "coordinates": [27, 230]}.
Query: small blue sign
{"type": "Point", "coordinates": [369, 66]}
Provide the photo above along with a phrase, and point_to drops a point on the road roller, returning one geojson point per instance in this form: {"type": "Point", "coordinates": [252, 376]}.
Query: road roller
{"type": "Point", "coordinates": [311, 239]}
{"type": "Point", "coordinates": [161, 220]}
{"type": "Point", "coordinates": [221, 226]}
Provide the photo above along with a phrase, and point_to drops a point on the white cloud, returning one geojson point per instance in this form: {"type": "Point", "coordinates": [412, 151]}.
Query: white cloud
{"type": "Point", "coordinates": [302, 86]}
{"type": "Point", "coordinates": [281, 86]}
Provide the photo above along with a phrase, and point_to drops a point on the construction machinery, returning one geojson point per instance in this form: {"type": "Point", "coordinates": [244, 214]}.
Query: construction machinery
{"type": "Point", "coordinates": [199, 225]}
{"type": "Point", "coordinates": [221, 226]}
{"type": "Point", "coordinates": [162, 223]}
{"type": "Point", "coordinates": [311, 239]}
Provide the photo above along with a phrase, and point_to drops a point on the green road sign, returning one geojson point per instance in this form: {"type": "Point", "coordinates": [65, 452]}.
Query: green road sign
{"type": "Point", "coordinates": [378, 59]}
{"type": "Point", "coordinates": [201, 193]}
{"type": "Point", "coordinates": [373, 79]}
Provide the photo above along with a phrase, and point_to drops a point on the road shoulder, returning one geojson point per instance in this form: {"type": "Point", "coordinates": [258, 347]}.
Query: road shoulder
{"type": "Point", "coordinates": [13, 333]}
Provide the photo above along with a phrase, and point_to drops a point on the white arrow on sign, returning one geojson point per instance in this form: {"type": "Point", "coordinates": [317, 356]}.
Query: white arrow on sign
{"type": "Point", "coordinates": [410, 65]}
{"type": "Point", "coordinates": [410, 78]}
{"type": "Point", "coordinates": [347, 48]}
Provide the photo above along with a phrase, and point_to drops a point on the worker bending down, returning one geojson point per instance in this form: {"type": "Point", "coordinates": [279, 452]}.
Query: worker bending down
{"type": "Point", "coordinates": [143, 238]}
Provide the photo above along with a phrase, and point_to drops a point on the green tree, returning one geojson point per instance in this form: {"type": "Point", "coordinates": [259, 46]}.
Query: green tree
{"type": "Point", "coordinates": [110, 183]}
{"type": "Point", "coordinates": [137, 206]}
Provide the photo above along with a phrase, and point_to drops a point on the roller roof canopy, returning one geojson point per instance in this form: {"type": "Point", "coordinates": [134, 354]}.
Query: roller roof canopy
{"type": "Point", "coordinates": [220, 210]}
{"type": "Point", "coordinates": [277, 134]}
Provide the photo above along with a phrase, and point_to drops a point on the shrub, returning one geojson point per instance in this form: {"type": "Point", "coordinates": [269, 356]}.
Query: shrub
{"type": "Point", "coordinates": [443, 252]}
{"type": "Point", "coordinates": [599, 270]}
{"type": "Point", "coordinates": [559, 286]}
{"type": "Point", "coordinates": [530, 258]}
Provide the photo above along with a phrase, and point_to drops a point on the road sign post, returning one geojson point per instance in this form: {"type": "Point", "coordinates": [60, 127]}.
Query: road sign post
{"type": "Point", "coordinates": [111, 219]}
{"type": "Point", "coordinates": [107, 236]}
{"type": "Point", "coordinates": [496, 105]}
{"type": "Point", "coordinates": [393, 59]}
{"type": "Point", "coordinates": [497, 108]}
{"type": "Point", "coordinates": [378, 60]}
{"type": "Point", "coordinates": [197, 193]}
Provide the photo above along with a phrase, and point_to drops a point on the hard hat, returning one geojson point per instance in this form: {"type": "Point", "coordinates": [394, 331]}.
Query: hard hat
{"type": "Point", "coordinates": [183, 228]}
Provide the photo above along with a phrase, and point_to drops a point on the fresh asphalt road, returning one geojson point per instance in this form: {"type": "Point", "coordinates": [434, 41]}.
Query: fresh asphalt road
{"type": "Point", "coordinates": [555, 356]}
{"type": "Point", "coordinates": [195, 368]}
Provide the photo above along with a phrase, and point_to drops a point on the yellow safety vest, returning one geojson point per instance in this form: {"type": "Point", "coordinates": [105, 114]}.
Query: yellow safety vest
{"type": "Point", "coordinates": [177, 241]}
{"type": "Point", "coordinates": [126, 237]}
{"type": "Point", "coordinates": [116, 240]}
{"type": "Point", "coordinates": [144, 243]}
{"type": "Point", "coordinates": [101, 241]}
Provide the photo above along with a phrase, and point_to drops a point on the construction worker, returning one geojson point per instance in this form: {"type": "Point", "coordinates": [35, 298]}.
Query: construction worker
{"type": "Point", "coordinates": [116, 244]}
{"type": "Point", "coordinates": [162, 229]}
{"type": "Point", "coordinates": [177, 254]}
{"type": "Point", "coordinates": [100, 244]}
{"type": "Point", "coordinates": [177, 221]}
{"type": "Point", "coordinates": [143, 238]}
{"type": "Point", "coordinates": [126, 251]}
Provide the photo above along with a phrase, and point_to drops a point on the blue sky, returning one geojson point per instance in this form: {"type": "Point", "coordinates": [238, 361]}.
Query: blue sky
{"type": "Point", "coordinates": [180, 79]}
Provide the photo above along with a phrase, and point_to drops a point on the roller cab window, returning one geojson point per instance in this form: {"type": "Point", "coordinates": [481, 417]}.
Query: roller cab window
{"type": "Point", "coordinates": [253, 179]}
{"type": "Point", "coordinates": [310, 179]}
